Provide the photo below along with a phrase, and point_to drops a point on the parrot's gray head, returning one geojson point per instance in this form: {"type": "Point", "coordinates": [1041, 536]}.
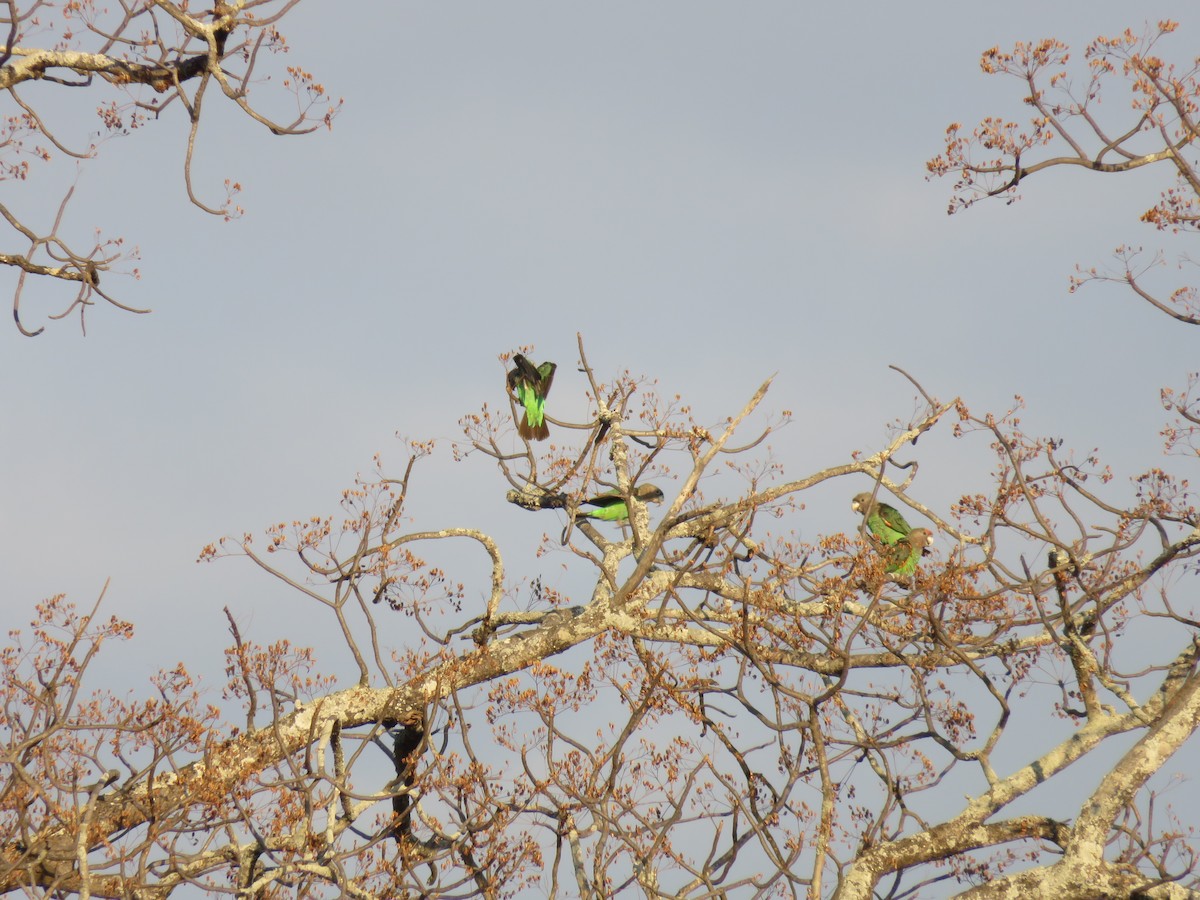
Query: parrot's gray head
{"type": "Point", "coordinates": [919, 538]}
{"type": "Point", "coordinates": [649, 493]}
{"type": "Point", "coordinates": [861, 503]}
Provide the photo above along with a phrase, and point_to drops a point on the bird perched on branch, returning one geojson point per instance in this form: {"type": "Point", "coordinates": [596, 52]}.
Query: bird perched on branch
{"type": "Point", "coordinates": [885, 521]}
{"type": "Point", "coordinates": [611, 505]}
{"type": "Point", "coordinates": [531, 384]}
{"type": "Point", "coordinates": [907, 552]}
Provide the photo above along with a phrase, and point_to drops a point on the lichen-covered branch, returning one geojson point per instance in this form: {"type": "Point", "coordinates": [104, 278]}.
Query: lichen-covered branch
{"type": "Point", "coordinates": [141, 59]}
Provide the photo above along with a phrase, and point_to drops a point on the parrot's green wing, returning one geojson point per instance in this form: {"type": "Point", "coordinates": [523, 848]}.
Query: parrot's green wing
{"type": "Point", "coordinates": [546, 377]}
{"type": "Point", "coordinates": [892, 520]}
{"type": "Point", "coordinates": [616, 511]}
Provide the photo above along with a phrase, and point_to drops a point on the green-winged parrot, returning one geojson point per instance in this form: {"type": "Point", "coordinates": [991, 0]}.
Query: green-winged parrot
{"type": "Point", "coordinates": [906, 552]}
{"type": "Point", "coordinates": [885, 521]}
{"type": "Point", "coordinates": [531, 384]}
{"type": "Point", "coordinates": [611, 504]}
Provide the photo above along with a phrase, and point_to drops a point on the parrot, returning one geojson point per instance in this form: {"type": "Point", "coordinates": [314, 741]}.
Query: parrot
{"type": "Point", "coordinates": [531, 384]}
{"type": "Point", "coordinates": [611, 504]}
{"type": "Point", "coordinates": [907, 552]}
{"type": "Point", "coordinates": [885, 521]}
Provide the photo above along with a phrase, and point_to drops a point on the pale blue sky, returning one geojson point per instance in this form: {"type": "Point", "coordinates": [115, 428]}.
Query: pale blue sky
{"type": "Point", "coordinates": [709, 192]}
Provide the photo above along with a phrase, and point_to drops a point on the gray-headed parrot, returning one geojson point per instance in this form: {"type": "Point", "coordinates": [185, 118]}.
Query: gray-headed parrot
{"type": "Point", "coordinates": [611, 506]}
{"type": "Point", "coordinates": [885, 521]}
{"type": "Point", "coordinates": [904, 555]}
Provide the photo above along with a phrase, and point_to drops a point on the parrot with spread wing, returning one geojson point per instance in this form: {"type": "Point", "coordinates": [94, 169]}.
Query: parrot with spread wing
{"type": "Point", "coordinates": [531, 384]}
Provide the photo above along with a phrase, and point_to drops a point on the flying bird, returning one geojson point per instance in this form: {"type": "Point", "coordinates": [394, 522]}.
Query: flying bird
{"type": "Point", "coordinates": [611, 504]}
{"type": "Point", "coordinates": [885, 521]}
{"type": "Point", "coordinates": [531, 384]}
{"type": "Point", "coordinates": [907, 552]}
